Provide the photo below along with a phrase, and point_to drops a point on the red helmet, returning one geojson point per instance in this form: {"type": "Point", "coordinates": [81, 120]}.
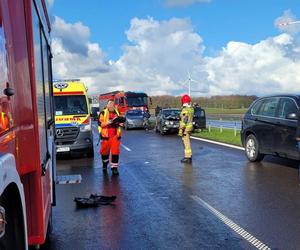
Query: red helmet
{"type": "Point", "coordinates": [185, 99]}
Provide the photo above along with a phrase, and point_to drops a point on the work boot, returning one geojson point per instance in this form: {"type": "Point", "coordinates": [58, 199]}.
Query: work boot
{"type": "Point", "coordinates": [104, 167]}
{"type": "Point", "coordinates": [186, 160]}
{"type": "Point", "coordinates": [115, 171]}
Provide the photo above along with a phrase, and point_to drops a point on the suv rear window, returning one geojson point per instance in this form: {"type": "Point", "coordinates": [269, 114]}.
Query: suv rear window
{"type": "Point", "coordinates": [268, 107]}
{"type": "Point", "coordinates": [199, 113]}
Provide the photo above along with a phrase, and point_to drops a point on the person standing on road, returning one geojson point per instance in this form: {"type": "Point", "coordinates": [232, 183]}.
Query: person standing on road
{"type": "Point", "coordinates": [186, 127]}
{"type": "Point", "coordinates": [109, 128]}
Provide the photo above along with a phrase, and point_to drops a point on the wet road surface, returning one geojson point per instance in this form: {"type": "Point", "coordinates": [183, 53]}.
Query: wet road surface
{"type": "Point", "coordinates": [160, 201]}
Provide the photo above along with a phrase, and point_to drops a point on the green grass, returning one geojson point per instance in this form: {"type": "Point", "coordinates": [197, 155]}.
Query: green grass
{"type": "Point", "coordinates": [227, 136]}
{"type": "Point", "coordinates": [215, 111]}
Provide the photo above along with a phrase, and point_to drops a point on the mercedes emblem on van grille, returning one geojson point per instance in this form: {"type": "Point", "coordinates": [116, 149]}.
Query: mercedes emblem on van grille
{"type": "Point", "coordinates": [59, 132]}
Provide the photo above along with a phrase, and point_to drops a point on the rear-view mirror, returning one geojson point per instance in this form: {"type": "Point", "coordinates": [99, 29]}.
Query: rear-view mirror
{"type": "Point", "coordinates": [292, 116]}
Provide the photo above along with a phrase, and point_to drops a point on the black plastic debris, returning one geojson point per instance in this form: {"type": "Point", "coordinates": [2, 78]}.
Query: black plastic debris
{"type": "Point", "coordinates": [94, 200]}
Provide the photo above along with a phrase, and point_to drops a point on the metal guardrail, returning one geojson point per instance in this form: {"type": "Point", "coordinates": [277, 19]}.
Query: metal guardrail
{"type": "Point", "coordinates": [220, 124]}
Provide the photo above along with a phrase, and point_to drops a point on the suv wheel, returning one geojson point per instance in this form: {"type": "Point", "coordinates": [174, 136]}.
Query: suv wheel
{"type": "Point", "coordinates": [252, 149]}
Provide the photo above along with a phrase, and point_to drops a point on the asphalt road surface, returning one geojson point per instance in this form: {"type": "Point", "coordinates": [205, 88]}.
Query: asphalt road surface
{"type": "Point", "coordinates": [220, 202]}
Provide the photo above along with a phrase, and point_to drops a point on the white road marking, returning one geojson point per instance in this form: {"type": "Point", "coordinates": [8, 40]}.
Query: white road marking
{"type": "Point", "coordinates": [126, 148]}
{"type": "Point", "coordinates": [218, 143]}
{"type": "Point", "coordinates": [236, 228]}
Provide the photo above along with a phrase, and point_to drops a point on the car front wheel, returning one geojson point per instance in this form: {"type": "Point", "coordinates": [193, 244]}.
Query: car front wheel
{"type": "Point", "coordinates": [161, 131]}
{"type": "Point", "coordinates": [252, 149]}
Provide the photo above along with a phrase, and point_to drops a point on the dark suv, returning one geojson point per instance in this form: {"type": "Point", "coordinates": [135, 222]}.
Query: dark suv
{"type": "Point", "coordinates": [269, 127]}
{"type": "Point", "coordinates": [199, 120]}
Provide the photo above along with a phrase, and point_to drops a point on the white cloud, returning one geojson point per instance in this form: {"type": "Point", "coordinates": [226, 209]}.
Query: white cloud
{"type": "Point", "coordinates": [262, 68]}
{"type": "Point", "coordinates": [183, 3]}
{"type": "Point", "coordinates": [50, 3]}
{"type": "Point", "coordinates": [74, 37]}
{"type": "Point", "coordinates": [159, 54]}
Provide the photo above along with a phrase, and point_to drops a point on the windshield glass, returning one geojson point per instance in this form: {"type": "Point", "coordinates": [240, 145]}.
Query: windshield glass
{"type": "Point", "coordinates": [136, 101]}
{"type": "Point", "coordinates": [171, 112]}
{"type": "Point", "coordinates": [70, 105]}
{"type": "Point", "coordinates": [135, 113]}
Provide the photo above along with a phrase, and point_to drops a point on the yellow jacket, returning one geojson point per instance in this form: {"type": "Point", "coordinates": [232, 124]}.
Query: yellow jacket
{"type": "Point", "coordinates": [186, 119]}
{"type": "Point", "coordinates": [103, 127]}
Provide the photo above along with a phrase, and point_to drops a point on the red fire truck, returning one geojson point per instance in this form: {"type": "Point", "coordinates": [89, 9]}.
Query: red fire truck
{"type": "Point", "coordinates": [126, 100]}
{"type": "Point", "coordinates": [27, 149]}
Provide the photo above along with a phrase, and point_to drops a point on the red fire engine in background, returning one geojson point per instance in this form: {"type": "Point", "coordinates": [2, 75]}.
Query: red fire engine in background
{"type": "Point", "coordinates": [27, 151]}
{"type": "Point", "coordinates": [126, 101]}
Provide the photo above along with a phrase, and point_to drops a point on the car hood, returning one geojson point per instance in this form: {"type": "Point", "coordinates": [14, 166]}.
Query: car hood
{"type": "Point", "coordinates": [171, 118]}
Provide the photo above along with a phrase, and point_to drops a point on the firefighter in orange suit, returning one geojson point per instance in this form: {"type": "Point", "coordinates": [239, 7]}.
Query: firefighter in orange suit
{"type": "Point", "coordinates": [110, 134]}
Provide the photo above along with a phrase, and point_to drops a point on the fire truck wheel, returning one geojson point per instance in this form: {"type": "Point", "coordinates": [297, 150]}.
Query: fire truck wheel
{"type": "Point", "coordinates": [14, 237]}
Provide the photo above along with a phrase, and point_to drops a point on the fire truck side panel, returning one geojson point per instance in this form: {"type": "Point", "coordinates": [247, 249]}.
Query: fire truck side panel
{"type": "Point", "coordinates": [26, 111]}
{"type": "Point", "coordinates": [44, 120]}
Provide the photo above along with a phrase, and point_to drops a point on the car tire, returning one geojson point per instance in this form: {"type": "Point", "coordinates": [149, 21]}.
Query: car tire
{"type": "Point", "coordinates": [156, 129]}
{"type": "Point", "coordinates": [161, 131]}
{"type": "Point", "coordinates": [252, 149]}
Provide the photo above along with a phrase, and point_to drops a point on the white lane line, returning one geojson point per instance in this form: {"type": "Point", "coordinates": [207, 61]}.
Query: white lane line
{"type": "Point", "coordinates": [236, 228]}
{"type": "Point", "coordinates": [218, 143]}
{"type": "Point", "coordinates": [126, 148]}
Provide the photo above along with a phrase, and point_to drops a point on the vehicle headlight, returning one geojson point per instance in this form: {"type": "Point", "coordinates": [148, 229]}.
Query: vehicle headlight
{"type": "Point", "coordinates": [86, 128]}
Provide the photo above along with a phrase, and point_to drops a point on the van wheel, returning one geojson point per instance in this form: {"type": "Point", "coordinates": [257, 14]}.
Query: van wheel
{"type": "Point", "coordinates": [252, 149]}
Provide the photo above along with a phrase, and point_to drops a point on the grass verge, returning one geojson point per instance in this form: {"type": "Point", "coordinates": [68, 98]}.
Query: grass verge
{"type": "Point", "coordinates": [227, 136]}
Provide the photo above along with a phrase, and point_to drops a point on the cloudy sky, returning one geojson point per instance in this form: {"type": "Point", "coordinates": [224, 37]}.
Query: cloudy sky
{"type": "Point", "coordinates": [228, 46]}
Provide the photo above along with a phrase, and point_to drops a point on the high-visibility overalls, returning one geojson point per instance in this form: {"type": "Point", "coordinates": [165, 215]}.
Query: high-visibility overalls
{"type": "Point", "coordinates": [186, 128]}
{"type": "Point", "coordinates": [110, 136]}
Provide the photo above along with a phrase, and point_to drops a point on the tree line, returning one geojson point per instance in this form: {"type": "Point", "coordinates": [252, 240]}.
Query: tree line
{"type": "Point", "coordinates": [225, 102]}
